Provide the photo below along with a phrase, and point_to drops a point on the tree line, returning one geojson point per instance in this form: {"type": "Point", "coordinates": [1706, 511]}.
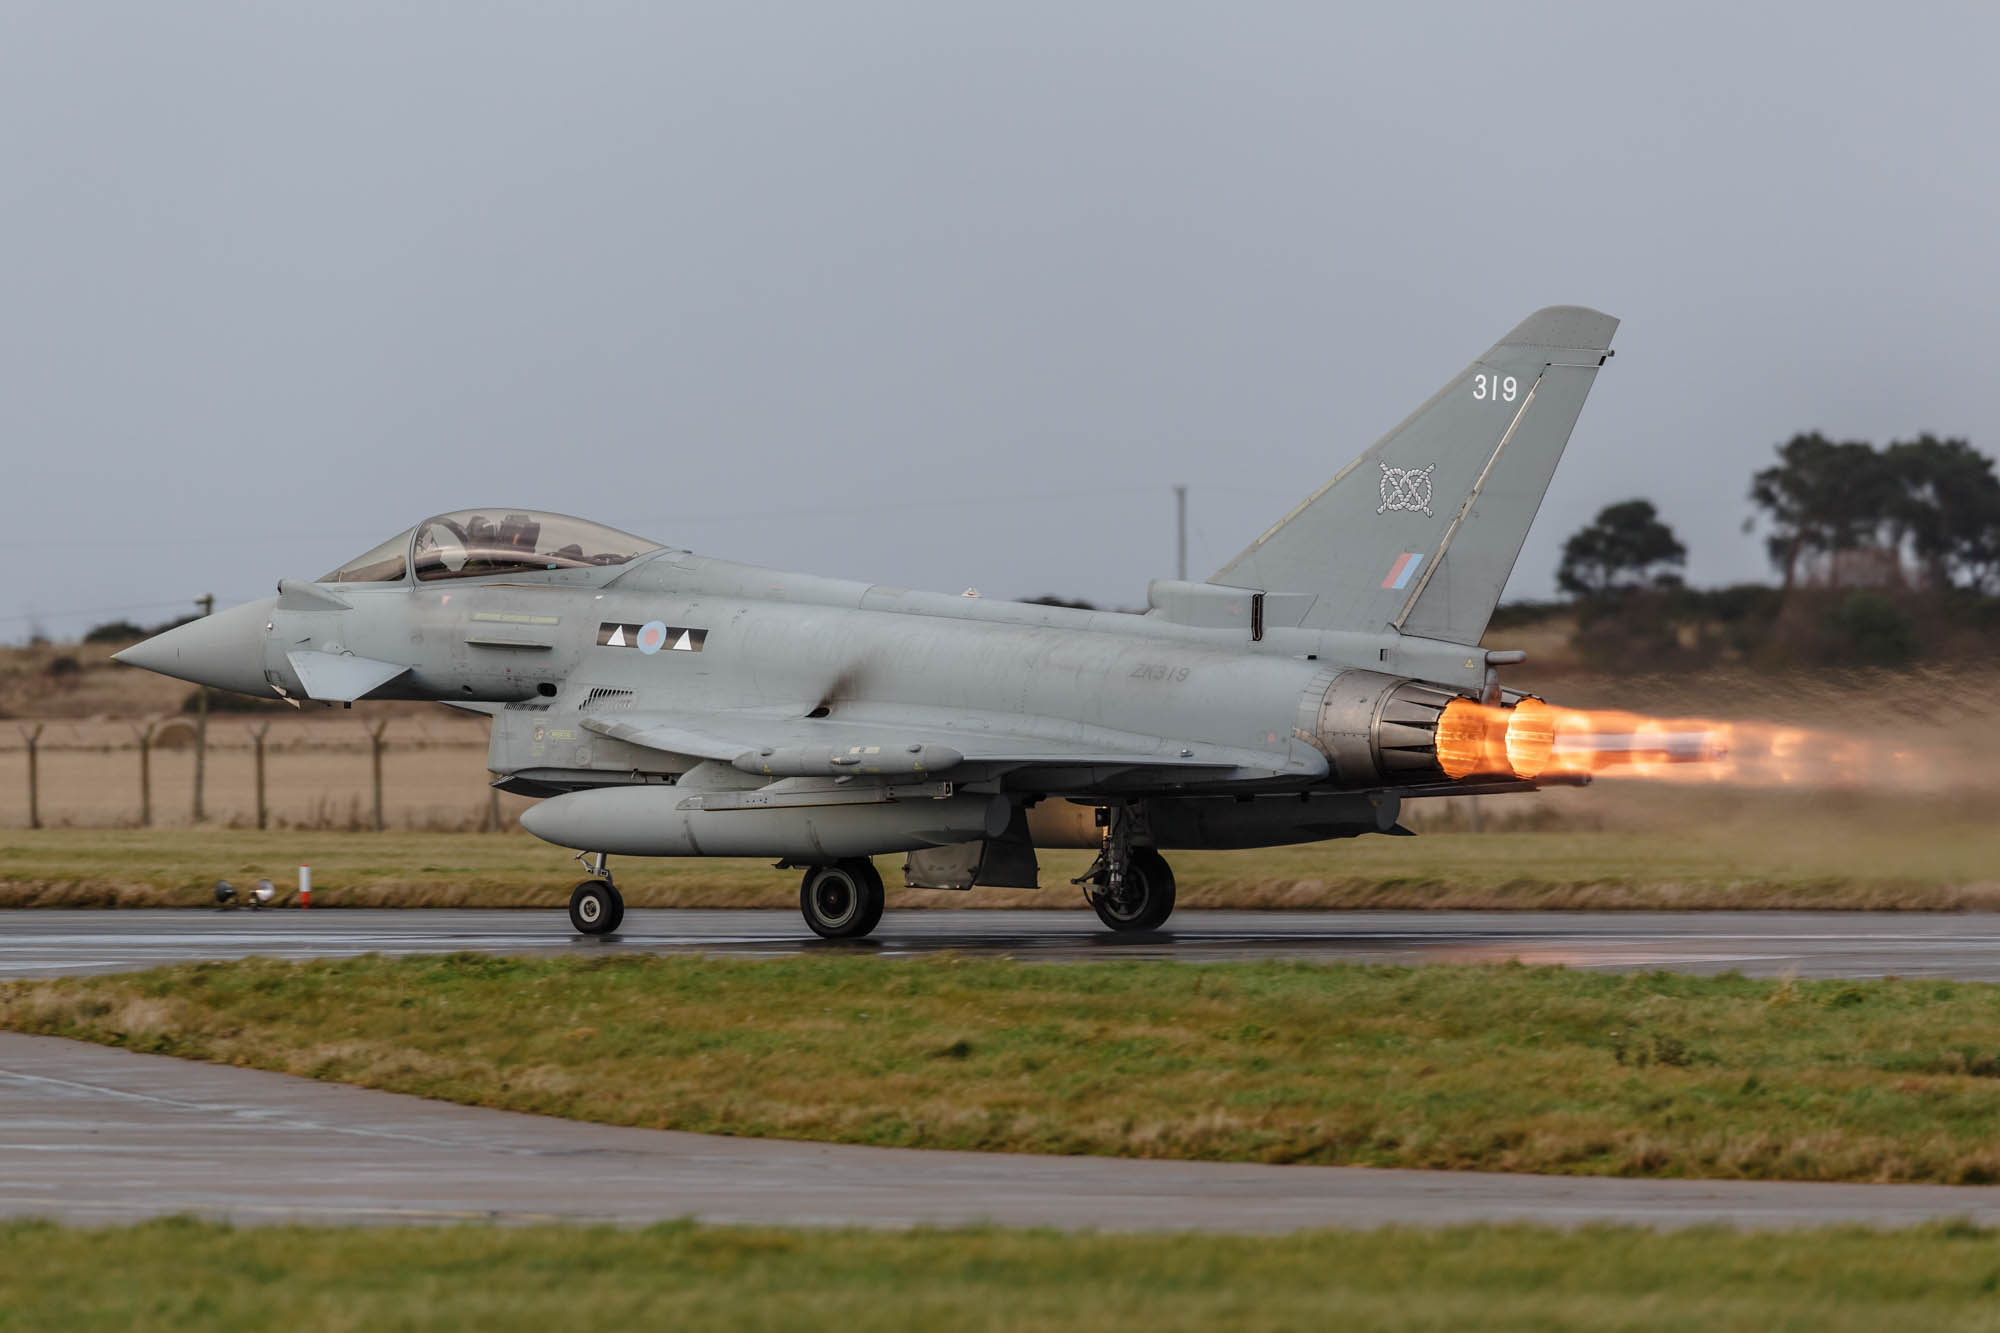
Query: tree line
{"type": "Point", "coordinates": [1883, 555]}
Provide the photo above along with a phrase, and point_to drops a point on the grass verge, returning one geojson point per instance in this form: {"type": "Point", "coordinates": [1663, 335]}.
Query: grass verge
{"type": "Point", "coordinates": [1505, 1068]}
{"type": "Point", "coordinates": [1839, 863]}
{"type": "Point", "coordinates": [180, 1273]}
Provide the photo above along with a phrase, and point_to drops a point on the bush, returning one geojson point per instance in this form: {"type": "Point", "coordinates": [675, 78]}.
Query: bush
{"type": "Point", "coordinates": [124, 631]}
{"type": "Point", "coordinates": [1518, 615]}
{"type": "Point", "coordinates": [1868, 629]}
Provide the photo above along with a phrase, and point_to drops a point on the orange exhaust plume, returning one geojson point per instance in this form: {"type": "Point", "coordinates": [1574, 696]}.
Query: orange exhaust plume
{"type": "Point", "coordinates": [1753, 754]}
{"type": "Point", "coordinates": [1465, 733]}
{"type": "Point", "coordinates": [1531, 737]}
{"type": "Point", "coordinates": [1533, 740]}
{"type": "Point", "coordinates": [1601, 742]}
{"type": "Point", "coordinates": [1934, 734]}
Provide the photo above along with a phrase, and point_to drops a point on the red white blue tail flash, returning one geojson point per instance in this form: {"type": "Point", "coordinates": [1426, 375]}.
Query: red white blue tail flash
{"type": "Point", "coordinates": [1405, 569]}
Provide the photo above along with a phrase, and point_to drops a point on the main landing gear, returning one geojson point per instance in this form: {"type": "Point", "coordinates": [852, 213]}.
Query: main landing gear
{"type": "Point", "coordinates": [1130, 886]}
{"type": "Point", "coordinates": [842, 901]}
{"type": "Point", "coordinates": [595, 906]}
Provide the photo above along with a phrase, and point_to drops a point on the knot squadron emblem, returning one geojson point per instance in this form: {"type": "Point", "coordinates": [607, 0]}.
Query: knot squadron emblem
{"type": "Point", "coordinates": [1406, 488]}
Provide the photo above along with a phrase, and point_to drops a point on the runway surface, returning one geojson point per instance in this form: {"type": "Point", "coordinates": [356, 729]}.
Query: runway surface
{"type": "Point", "coordinates": [89, 1134]}
{"type": "Point", "coordinates": [1810, 944]}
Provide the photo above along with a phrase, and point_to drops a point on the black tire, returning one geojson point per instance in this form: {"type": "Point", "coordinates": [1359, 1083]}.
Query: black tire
{"type": "Point", "coordinates": [1148, 897]}
{"type": "Point", "coordinates": [595, 908]}
{"type": "Point", "coordinates": [842, 901]}
{"type": "Point", "coordinates": [878, 897]}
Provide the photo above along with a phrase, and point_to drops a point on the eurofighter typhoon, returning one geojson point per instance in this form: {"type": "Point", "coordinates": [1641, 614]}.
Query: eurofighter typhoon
{"type": "Point", "coordinates": [664, 703]}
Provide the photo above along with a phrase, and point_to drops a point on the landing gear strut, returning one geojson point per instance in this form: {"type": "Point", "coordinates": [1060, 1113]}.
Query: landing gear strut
{"type": "Point", "coordinates": [595, 906]}
{"type": "Point", "coordinates": [1130, 887]}
{"type": "Point", "coordinates": [842, 901]}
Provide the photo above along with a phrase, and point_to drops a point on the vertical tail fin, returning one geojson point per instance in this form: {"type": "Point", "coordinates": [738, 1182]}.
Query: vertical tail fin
{"type": "Point", "coordinates": [1420, 533]}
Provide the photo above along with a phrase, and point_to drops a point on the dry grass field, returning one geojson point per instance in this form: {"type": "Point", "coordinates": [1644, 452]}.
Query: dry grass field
{"type": "Point", "coordinates": [76, 680]}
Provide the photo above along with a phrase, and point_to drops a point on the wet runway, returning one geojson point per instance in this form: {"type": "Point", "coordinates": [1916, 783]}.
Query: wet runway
{"type": "Point", "coordinates": [1809, 944]}
{"type": "Point", "coordinates": [90, 1134]}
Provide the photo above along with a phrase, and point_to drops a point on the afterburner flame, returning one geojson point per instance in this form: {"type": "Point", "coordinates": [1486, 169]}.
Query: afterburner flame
{"type": "Point", "coordinates": [1464, 733]}
{"type": "Point", "coordinates": [1531, 737]}
{"type": "Point", "coordinates": [1534, 740]}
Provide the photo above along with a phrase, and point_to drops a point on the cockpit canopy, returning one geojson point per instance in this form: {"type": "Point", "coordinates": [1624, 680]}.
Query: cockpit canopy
{"type": "Point", "coordinates": [387, 563]}
{"type": "Point", "coordinates": [475, 542]}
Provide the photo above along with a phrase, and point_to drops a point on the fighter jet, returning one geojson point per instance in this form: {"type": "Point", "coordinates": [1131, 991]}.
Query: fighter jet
{"type": "Point", "coordinates": [663, 703]}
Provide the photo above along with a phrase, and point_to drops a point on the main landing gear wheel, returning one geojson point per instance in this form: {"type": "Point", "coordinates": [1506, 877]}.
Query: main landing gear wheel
{"type": "Point", "coordinates": [842, 901]}
{"type": "Point", "coordinates": [595, 907]}
{"type": "Point", "coordinates": [1145, 896]}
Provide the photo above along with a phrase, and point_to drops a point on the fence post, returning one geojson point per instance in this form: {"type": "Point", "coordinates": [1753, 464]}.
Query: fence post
{"type": "Point", "coordinates": [34, 738]}
{"type": "Point", "coordinates": [375, 745]}
{"type": "Point", "coordinates": [257, 735]}
{"type": "Point", "coordinates": [200, 752]}
{"type": "Point", "coordinates": [207, 604]}
{"type": "Point", "coordinates": [144, 735]}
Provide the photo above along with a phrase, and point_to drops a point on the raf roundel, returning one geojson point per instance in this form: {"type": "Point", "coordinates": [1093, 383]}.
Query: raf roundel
{"type": "Point", "coordinates": [652, 637]}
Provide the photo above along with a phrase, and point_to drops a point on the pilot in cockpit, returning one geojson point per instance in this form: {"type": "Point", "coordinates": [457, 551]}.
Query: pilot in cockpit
{"type": "Point", "coordinates": [470, 543]}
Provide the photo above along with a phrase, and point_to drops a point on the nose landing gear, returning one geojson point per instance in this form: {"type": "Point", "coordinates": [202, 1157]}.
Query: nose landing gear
{"type": "Point", "coordinates": [595, 906]}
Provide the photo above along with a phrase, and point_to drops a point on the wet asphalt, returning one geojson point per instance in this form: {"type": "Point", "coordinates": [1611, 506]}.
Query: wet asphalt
{"type": "Point", "coordinates": [1807, 944]}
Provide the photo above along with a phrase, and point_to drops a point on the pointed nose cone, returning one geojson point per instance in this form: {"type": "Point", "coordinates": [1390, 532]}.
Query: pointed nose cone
{"type": "Point", "coordinates": [225, 650]}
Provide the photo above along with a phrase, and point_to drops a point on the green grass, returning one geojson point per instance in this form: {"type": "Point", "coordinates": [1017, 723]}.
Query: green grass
{"type": "Point", "coordinates": [183, 1274]}
{"type": "Point", "coordinates": [1827, 860]}
{"type": "Point", "coordinates": [1502, 1068]}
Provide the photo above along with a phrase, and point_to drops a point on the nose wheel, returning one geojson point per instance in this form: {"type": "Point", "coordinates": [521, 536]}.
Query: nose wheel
{"type": "Point", "coordinates": [842, 901]}
{"type": "Point", "coordinates": [595, 906]}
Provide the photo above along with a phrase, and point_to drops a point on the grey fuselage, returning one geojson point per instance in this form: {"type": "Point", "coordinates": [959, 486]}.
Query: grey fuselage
{"type": "Point", "coordinates": [789, 645]}
{"type": "Point", "coordinates": [1191, 721]}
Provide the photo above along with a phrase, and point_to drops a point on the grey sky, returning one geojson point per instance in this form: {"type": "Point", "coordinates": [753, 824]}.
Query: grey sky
{"type": "Point", "coordinates": [827, 286]}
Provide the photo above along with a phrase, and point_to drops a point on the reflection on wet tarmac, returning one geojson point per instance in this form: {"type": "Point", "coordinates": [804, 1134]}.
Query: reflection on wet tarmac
{"type": "Point", "coordinates": [1808, 944]}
